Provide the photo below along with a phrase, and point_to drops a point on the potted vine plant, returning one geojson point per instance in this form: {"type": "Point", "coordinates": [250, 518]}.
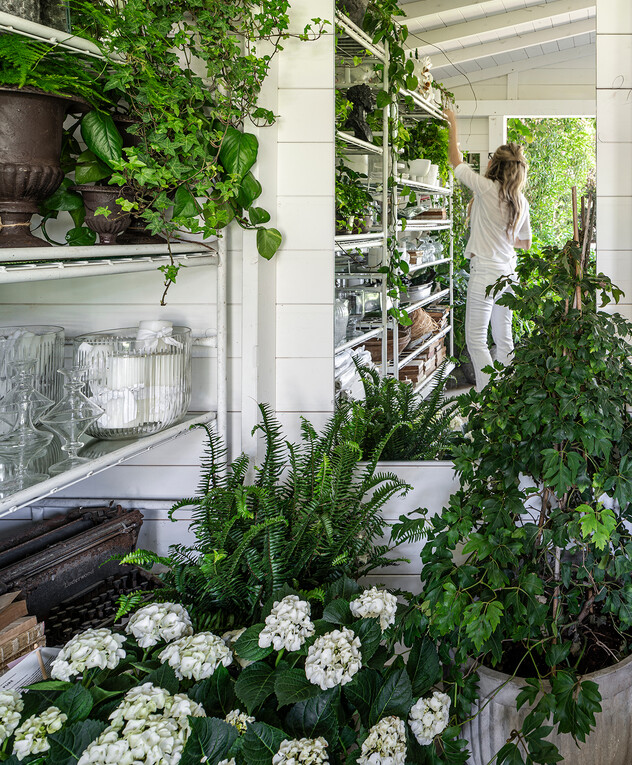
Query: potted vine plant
{"type": "Point", "coordinates": [40, 85]}
{"type": "Point", "coordinates": [527, 578]}
{"type": "Point", "coordinates": [354, 203]}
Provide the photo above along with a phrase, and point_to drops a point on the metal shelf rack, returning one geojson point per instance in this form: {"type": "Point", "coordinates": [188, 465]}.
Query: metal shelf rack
{"type": "Point", "coordinates": [11, 23]}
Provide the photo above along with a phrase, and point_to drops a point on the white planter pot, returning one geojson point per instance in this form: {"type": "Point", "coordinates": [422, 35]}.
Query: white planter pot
{"type": "Point", "coordinates": [419, 166]}
{"type": "Point", "coordinates": [433, 483]}
{"type": "Point", "coordinates": [609, 744]}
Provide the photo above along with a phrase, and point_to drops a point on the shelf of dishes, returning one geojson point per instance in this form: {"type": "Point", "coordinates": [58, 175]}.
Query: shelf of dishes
{"type": "Point", "coordinates": [101, 455]}
{"type": "Point", "coordinates": [432, 298]}
{"type": "Point", "coordinates": [419, 186]}
{"type": "Point", "coordinates": [357, 145]}
{"type": "Point", "coordinates": [12, 23]}
{"type": "Point", "coordinates": [419, 266]}
{"type": "Point", "coordinates": [352, 41]}
{"type": "Point", "coordinates": [344, 242]}
{"type": "Point", "coordinates": [192, 256]}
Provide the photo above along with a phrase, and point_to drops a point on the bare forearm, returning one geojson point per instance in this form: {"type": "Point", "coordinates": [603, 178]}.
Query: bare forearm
{"type": "Point", "coordinates": [523, 244]}
{"type": "Point", "coordinates": [454, 153]}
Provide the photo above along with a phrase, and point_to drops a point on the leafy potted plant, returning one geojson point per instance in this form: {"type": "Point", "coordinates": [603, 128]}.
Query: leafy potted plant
{"type": "Point", "coordinates": [429, 139]}
{"type": "Point", "coordinates": [354, 203]}
{"type": "Point", "coordinates": [40, 84]}
{"type": "Point", "coordinates": [527, 576]}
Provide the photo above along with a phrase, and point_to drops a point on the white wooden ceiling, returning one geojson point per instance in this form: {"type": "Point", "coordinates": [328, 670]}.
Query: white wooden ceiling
{"type": "Point", "coordinates": [474, 41]}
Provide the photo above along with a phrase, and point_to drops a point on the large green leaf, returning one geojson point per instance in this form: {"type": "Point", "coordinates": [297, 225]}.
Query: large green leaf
{"type": "Point", "coordinates": [249, 190]}
{"type": "Point", "coordinates": [216, 693]}
{"type": "Point", "coordinates": [423, 666]}
{"type": "Point", "coordinates": [63, 199]}
{"type": "Point", "coordinates": [67, 745]}
{"type": "Point", "coordinates": [268, 242]}
{"type": "Point", "coordinates": [101, 136]}
{"type": "Point", "coordinates": [370, 634]}
{"type": "Point", "coordinates": [238, 152]}
{"type": "Point", "coordinates": [76, 702]}
{"type": "Point", "coordinates": [209, 741]}
{"type": "Point", "coordinates": [345, 587]}
{"type": "Point", "coordinates": [258, 216]}
{"type": "Point", "coordinates": [261, 742]}
{"type": "Point", "coordinates": [362, 691]}
{"type": "Point", "coordinates": [247, 646]}
{"type": "Point", "coordinates": [317, 716]}
{"type": "Point", "coordinates": [254, 685]}
{"type": "Point", "coordinates": [185, 205]}
{"type": "Point", "coordinates": [81, 236]}
{"type": "Point", "coordinates": [395, 697]}
{"type": "Point", "coordinates": [164, 677]}
{"type": "Point", "coordinates": [338, 612]}
{"type": "Point", "coordinates": [292, 686]}
{"type": "Point", "coordinates": [90, 169]}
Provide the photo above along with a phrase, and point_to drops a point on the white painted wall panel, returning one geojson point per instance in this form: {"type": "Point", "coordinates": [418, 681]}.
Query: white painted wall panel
{"type": "Point", "coordinates": [614, 17]}
{"type": "Point", "coordinates": [614, 61]}
{"type": "Point", "coordinates": [614, 116]}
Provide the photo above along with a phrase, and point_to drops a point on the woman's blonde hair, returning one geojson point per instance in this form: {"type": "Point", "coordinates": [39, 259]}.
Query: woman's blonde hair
{"type": "Point", "coordinates": [509, 167]}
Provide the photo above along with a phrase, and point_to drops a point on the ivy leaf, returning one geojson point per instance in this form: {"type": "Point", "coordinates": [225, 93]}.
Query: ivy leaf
{"type": "Point", "coordinates": [101, 136]}
{"type": "Point", "coordinates": [261, 742]}
{"type": "Point", "coordinates": [383, 99]}
{"type": "Point", "coordinates": [254, 685]}
{"type": "Point", "coordinates": [209, 741]}
{"type": "Point", "coordinates": [268, 242]}
{"type": "Point", "coordinates": [216, 693]}
{"type": "Point", "coordinates": [395, 697]}
{"type": "Point", "coordinates": [423, 667]}
{"type": "Point", "coordinates": [317, 716]}
{"type": "Point", "coordinates": [185, 205]}
{"type": "Point", "coordinates": [481, 619]}
{"type": "Point", "coordinates": [258, 216]}
{"type": "Point", "coordinates": [238, 152]}
{"type": "Point", "coordinates": [597, 524]}
{"type": "Point", "coordinates": [247, 646]}
{"type": "Point", "coordinates": [164, 677]}
{"type": "Point", "coordinates": [67, 745]}
{"type": "Point", "coordinates": [338, 612]}
{"type": "Point", "coordinates": [249, 190]}
{"type": "Point", "coordinates": [292, 686]}
{"type": "Point", "coordinates": [76, 702]}
{"type": "Point", "coordinates": [81, 236]}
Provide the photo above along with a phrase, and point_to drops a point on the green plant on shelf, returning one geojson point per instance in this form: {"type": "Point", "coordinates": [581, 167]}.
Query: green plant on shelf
{"type": "Point", "coordinates": [354, 202]}
{"type": "Point", "coordinates": [428, 139]}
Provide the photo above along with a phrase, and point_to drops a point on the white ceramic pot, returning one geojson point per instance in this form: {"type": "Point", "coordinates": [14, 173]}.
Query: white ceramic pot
{"type": "Point", "coordinates": [358, 162]}
{"type": "Point", "coordinates": [419, 166]}
{"type": "Point", "coordinates": [432, 175]}
{"type": "Point", "coordinates": [609, 744]}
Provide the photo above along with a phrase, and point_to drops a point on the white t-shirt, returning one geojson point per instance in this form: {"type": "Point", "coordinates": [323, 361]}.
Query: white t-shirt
{"type": "Point", "coordinates": [488, 221]}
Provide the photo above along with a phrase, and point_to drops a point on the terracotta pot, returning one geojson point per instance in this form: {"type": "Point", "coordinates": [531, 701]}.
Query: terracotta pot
{"type": "Point", "coordinates": [31, 124]}
{"type": "Point", "coordinates": [609, 744]}
{"type": "Point", "coordinates": [136, 233]}
{"type": "Point", "coordinates": [108, 227]}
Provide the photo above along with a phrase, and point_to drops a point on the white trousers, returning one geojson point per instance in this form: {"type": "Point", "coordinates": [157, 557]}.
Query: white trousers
{"type": "Point", "coordinates": [480, 311]}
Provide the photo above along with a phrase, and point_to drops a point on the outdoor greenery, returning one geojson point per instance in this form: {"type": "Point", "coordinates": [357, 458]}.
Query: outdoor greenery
{"type": "Point", "coordinates": [420, 428]}
{"type": "Point", "coordinates": [561, 153]}
{"type": "Point", "coordinates": [543, 514]}
{"type": "Point", "coordinates": [312, 514]}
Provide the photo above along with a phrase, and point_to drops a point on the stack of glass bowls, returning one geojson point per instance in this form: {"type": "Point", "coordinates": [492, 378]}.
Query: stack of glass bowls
{"type": "Point", "coordinates": [142, 383]}
{"type": "Point", "coordinates": [43, 343]}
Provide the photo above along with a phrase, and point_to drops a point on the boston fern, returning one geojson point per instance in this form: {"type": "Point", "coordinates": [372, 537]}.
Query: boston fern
{"type": "Point", "coordinates": [420, 428]}
{"type": "Point", "coordinates": [528, 569]}
{"type": "Point", "coordinates": [311, 515]}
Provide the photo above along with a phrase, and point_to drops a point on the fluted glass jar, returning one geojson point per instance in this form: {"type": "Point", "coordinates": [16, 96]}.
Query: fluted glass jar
{"type": "Point", "coordinates": [44, 344]}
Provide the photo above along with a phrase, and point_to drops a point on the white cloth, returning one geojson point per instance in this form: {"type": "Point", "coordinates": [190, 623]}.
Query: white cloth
{"type": "Point", "coordinates": [488, 221]}
{"type": "Point", "coordinates": [480, 310]}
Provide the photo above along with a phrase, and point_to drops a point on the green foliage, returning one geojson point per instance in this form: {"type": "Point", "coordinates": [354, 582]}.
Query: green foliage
{"type": "Point", "coordinates": [429, 139]}
{"type": "Point", "coordinates": [561, 154]}
{"type": "Point", "coordinates": [30, 63]}
{"type": "Point", "coordinates": [311, 515]}
{"type": "Point", "coordinates": [416, 428]}
{"type": "Point", "coordinates": [353, 200]}
{"type": "Point", "coordinates": [543, 514]}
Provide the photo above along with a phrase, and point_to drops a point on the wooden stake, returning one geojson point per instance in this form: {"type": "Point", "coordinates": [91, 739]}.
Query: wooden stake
{"type": "Point", "coordinates": [575, 226]}
{"type": "Point", "coordinates": [40, 661]}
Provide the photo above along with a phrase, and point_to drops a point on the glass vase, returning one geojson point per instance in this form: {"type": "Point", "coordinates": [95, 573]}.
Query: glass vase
{"type": "Point", "coordinates": [43, 343]}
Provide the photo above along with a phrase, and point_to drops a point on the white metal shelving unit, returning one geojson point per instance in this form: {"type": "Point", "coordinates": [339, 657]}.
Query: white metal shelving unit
{"type": "Point", "coordinates": [51, 263]}
{"type": "Point", "coordinates": [351, 42]}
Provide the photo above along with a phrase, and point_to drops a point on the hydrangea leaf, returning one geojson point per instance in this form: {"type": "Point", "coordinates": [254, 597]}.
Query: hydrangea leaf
{"type": "Point", "coordinates": [76, 702]}
{"type": "Point", "coordinates": [261, 742]}
{"type": "Point", "coordinates": [395, 697]}
{"type": "Point", "coordinates": [315, 717]}
{"type": "Point", "coordinates": [254, 685]}
{"type": "Point", "coordinates": [247, 645]}
{"type": "Point", "coordinates": [292, 686]}
{"type": "Point", "coordinates": [423, 666]}
{"type": "Point", "coordinates": [209, 741]}
{"type": "Point", "coordinates": [370, 634]}
{"type": "Point", "coordinates": [216, 694]}
{"type": "Point", "coordinates": [338, 612]}
{"type": "Point", "coordinates": [362, 691]}
{"type": "Point", "coordinates": [67, 745]}
{"type": "Point", "coordinates": [164, 677]}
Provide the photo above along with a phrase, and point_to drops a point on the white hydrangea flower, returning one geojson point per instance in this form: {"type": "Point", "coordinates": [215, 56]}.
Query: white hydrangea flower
{"type": "Point", "coordinates": [333, 659]}
{"type": "Point", "coordinates": [159, 621]}
{"type": "Point", "coordinates": [138, 704]}
{"type": "Point", "coordinates": [181, 707]}
{"type": "Point", "coordinates": [288, 625]}
{"type": "Point", "coordinates": [375, 604]}
{"type": "Point", "coordinates": [156, 740]}
{"type": "Point", "coordinates": [385, 744]}
{"type": "Point", "coordinates": [239, 720]}
{"type": "Point", "coordinates": [196, 656]}
{"type": "Point", "coordinates": [230, 638]}
{"type": "Point", "coordinates": [457, 423]}
{"type": "Point", "coordinates": [31, 736]}
{"type": "Point", "coordinates": [93, 648]}
{"type": "Point", "coordinates": [11, 706]}
{"type": "Point", "coordinates": [301, 750]}
{"type": "Point", "coordinates": [429, 717]}
{"type": "Point", "coordinates": [227, 762]}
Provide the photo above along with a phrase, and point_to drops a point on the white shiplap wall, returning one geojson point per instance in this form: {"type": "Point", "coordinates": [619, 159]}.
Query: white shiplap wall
{"type": "Point", "coordinates": [614, 145]}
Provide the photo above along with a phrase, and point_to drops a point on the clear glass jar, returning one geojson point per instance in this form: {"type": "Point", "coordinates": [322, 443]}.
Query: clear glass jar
{"type": "Point", "coordinates": [141, 380]}
{"type": "Point", "coordinates": [43, 343]}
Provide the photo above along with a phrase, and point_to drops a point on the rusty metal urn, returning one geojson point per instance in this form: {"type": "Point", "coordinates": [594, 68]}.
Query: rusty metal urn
{"type": "Point", "coordinates": [108, 228]}
{"type": "Point", "coordinates": [31, 123]}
